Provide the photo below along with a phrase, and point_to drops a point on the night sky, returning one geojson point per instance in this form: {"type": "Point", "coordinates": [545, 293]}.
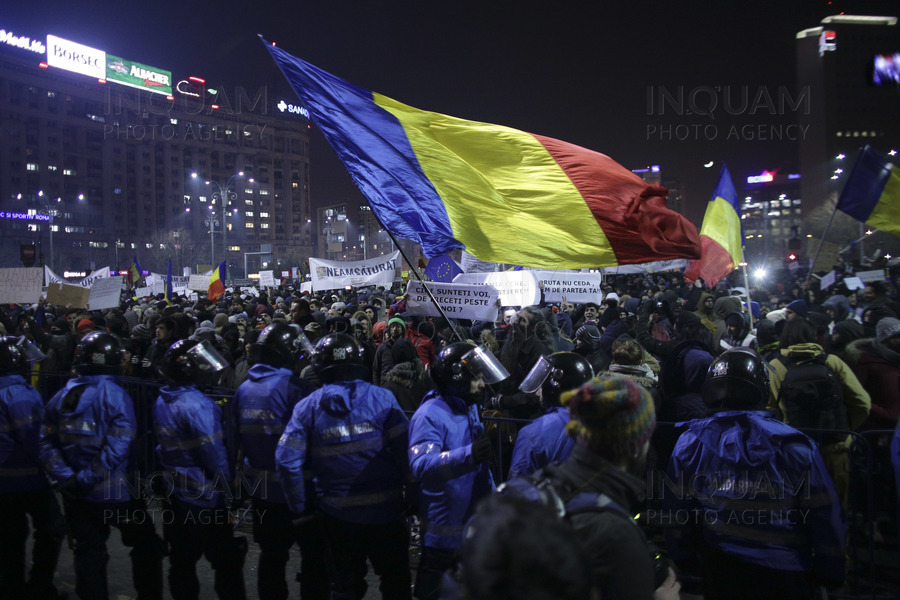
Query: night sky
{"type": "Point", "coordinates": [583, 75]}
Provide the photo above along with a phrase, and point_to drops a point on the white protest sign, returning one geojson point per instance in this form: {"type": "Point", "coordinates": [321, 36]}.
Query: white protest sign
{"type": "Point", "coordinates": [21, 285]}
{"type": "Point", "coordinates": [515, 288]}
{"type": "Point", "coordinates": [142, 292]}
{"type": "Point", "coordinates": [194, 296]}
{"type": "Point", "coordinates": [470, 264]}
{"type": "Point", "coordinates": [267, 279]}
{"type": "Point", "coordinates": [250, 290]}
{"type": "Point", "coordinates": [332, 274]}
{"type": "Point", "coordinates": [854, 283]}
{"type": "Point", "coordinates": [576, 287]}
{"type": "Point", "coordinates": [828, 280]}
{"type": "Point", "coordinates": [306, 286]}
{"type": "Point", "coordinates": [874, 275]}
{"type": "Point", "coordinates": [105, 293]}
{"type": "Point", "coordinates": [199, 283]}
{"type": "Point", "coordinates": [476, 302]}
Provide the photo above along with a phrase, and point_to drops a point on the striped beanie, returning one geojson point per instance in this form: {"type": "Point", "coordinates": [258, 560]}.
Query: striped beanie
{"type": "Point", "coordinates": [614, 416]}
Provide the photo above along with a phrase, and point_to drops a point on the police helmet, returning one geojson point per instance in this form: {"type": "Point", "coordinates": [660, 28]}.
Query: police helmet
{"type": "Point", "coordinates": [98, 353]}
{"type": "Point", "coordinates": [192, 361]}
{"type": "Point", "coordinates": [337, 358]}
{"type": "Point", "coordinates": [555, 374]}
{"type": "Point", "coordinates": [281, 345]}
{"type": "Point", "coordinates": [457, 365]}
{"type": "Point", "coordinates": [737, 380]}
{"type": "Point", "coordinates": [12, 358]}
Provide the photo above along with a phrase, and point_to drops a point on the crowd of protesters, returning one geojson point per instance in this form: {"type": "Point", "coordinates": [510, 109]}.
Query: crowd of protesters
{"type": "Point", "coordinates": [383, 415]}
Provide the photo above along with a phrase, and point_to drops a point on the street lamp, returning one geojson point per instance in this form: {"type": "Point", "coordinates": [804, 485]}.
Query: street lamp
{"type": "Point", "coordinates": [51, 212]}
{"type": "Point", "coordinates": [224, 194]}
{"type": "Point", "coordinates": [212, 222]}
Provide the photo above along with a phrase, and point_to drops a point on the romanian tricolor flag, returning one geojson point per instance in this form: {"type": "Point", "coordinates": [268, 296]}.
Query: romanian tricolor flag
{"type": "Point", "coordinates": [217, 282]}
{"type": "Point", "coordinates": [721, 235]}
{"type": "Point", "coordinates": [872, 192]}
{"type": "Point", "coordinates": [503, 195]}
{"type": "Point", "coordinates": [168, 284]}
{"type": "Point", "coordinates": [134, 272]}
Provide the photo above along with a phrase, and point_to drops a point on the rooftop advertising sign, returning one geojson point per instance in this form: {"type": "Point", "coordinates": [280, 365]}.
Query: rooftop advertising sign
{"type": "Point", "coordinates": [20, 41]}
{"type": "Point", "coordinates": [75, 57]}
{"type": "Point", "coordinates": [133, 74]}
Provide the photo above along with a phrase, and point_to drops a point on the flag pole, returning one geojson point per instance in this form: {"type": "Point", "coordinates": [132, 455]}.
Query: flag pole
{"type": "Point", "coordinates": [419, 277]}
{"type": "Point", "coordinates": [745, 267]}
{"type": "Point", "coordinates": [812, 261]}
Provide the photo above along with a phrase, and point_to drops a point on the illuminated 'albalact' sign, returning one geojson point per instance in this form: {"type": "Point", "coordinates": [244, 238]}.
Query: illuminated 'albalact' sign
{"type": "Point", "coordinates": [141, 76]}
{"type": "Point", "coordinates": [76, 57]}
{"type": "Point", "coordinates": [21, 41]}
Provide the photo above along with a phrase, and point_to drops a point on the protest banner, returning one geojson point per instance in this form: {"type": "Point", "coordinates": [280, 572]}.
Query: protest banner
{"type": "Point", "coordinates": [332, 274]}
{"type": "Point", "coordinates": [461, 301]}
{"type": "Point", "coordinates": [66, 294]}
{"type": "Point", "coordinates": [576, 287]}
{"type": "Point", "coordinates": [470, 264]}
{"type": "Point", "coordinates": [199, 283]}
{"type": "Point", "coordinates": [515, 288]}
{"type": "Point", "coordinates": [650, 267]}
{"type": "Point", "coordinates": [105, 293]}
{"type": "Point", "coordinates": [267, 279]}
{"type": "Point", "coordinates": [21, 285]}
{"type": "Point", "coordinates": [88, 281]}
{"type": "Point", "coordinates": [249, 290]}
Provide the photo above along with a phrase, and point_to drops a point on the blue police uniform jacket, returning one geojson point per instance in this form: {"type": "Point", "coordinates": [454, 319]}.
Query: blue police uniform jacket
{"type": "Point", "coordinates": [20, 426]}
{"type": "Point", "coordinates": [760, 491]}
{"type": "Point", "coordinates": [352, 437]}
{"type": "Point", "coordinates": [191, 446]}
{"type": "Point", "coordinates": [264, 405]}
{"type": "Point", "coordinates": [451, 483]}
{"type": "Point", "coordinates": [92, 440]}
{"type": "Point", "coordinates": [541, 442]}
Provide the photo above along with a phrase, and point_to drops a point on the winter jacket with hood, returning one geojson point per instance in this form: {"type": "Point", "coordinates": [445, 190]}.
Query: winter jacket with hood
{"type": "Point", "coordinates": [760, 492]}
{"type": "Point", "coordinates": [856, 399]}
{"type": "Point", "coordinates": [263, 406]}
{"type": "Point", "coordinates": [20, 424]}
{"type": "Point", "coordinates": [451, 483]}
{"type": "Point", "coordinates": [88, 432]}
{"type": "Point", "coordinates": [541, 442]}
{"type": "Point", "coordinates": [744, 336]}
{"type": "Point", "coordinates": [191, 446]}
{"type": "Point", "coordinates": [352, 437]}
{"type": "Point", "coordinates": [723, 307]}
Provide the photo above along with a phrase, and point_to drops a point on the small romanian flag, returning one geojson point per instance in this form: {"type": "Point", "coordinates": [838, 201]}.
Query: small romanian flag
{"type": "Point", "coordinates": [217, 282]}
{"type": "Point", "coordinates": [168, 284]}
{"type": "Point", "coordinates": [134, 272]}
{"type": "Point", "coordinates": [872, 192]}
{"type": "Point", "coordinates": [721, 235]}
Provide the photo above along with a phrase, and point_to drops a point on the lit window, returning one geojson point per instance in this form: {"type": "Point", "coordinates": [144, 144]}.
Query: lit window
{"type": "Point", "coordinates": [248, 190]}
{"type": "Point", "coordinates": [202, 198]}
{"type": "Point", "coordinates": [263, 192]}
{"type": "Point", "coordinates": [249, 213]}
{"type": "Point", "coordinates": [264, 215]}
{"type": "Point", "coordinates": [32, 167]}
{"type": "Point", "coordinates": [51, 168]}
{"type": "Point", "coordinates": [248, 225]}
{"type": "Point", "coordinates": [68, 171]}
{"type": "Point", "coordinates": [248, 202]}
{"type": "Point", "coordinates": [263, 225]}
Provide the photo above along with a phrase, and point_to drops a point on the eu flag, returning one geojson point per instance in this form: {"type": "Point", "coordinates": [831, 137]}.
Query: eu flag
{"type": "Point", "coordinates": [442, 269]}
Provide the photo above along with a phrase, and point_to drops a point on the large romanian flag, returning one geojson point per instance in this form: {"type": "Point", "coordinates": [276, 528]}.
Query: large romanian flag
{"type": "Point", "coordinates": [217, 282]}
{"type": "Point", "coordinates": [503, 195]}
{"type": "Point", "coordinates": [872, 192]}
{"type": "Point", "coordinates": [134, 272]}
{"type": "Point", "coordinates": [721, 235]}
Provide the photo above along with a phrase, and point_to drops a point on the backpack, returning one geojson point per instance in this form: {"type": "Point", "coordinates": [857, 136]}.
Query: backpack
{"type": "Point", "coordinates": [543, 492]}
{"type": "Point", "coordinates": [813, 398]}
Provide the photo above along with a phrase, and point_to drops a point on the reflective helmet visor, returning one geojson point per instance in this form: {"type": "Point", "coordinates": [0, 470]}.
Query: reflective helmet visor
{"type": "Point", "coordinates": [482, 364]}
{"type": "Point", "coordinates": [206, 357]}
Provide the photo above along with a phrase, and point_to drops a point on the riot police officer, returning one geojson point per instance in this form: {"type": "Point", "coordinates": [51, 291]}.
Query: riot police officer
{"type": "Point", "coordinates": [263, 406]}
{"type": "Point", "coordinates": [193, 455]}
{"type": "Point", "coordinates": [24, 490]}
{"type": "Point", "coordinates": [449, 454]}
{"type": "Point", "coordinates": [352, 437]}
{"type": "Point", "coordinates": [544, 440]}
{"type": "Point", "coordinates": [86, 448]}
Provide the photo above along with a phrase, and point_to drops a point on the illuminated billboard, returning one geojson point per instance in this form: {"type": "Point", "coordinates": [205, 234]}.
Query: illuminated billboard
{"type": "Point", "coordinates": [130, 73]}
{"type": "Point", "coordinates": [75, 57]}
{"type": "Point", "coordinates": [20, 41]}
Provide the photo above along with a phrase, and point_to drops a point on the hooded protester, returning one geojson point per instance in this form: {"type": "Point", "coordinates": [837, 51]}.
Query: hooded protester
{"type": "Point", "coordinates": [406, 378]}
{"type": "Point", "coordinates": [737, 332]}
{"type": "Point", "coordinates": [723, 307]}
{"type": "Point", "coordinates": [876, 364]}
{"type": "Point", "coordinates": [588, 343]}
{"type": "Point", "coordinates": [706, 311]}
{"type": "Point", "coordinates": [838, 308]}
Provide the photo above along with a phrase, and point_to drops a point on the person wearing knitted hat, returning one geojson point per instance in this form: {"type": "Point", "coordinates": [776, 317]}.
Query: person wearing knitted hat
{"type": "Point", "coordinates": [612, 420]}
{"type": "Point", "coordinates": [383, 361]}
{"type": "Point", "coordinates": [797, 308]}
